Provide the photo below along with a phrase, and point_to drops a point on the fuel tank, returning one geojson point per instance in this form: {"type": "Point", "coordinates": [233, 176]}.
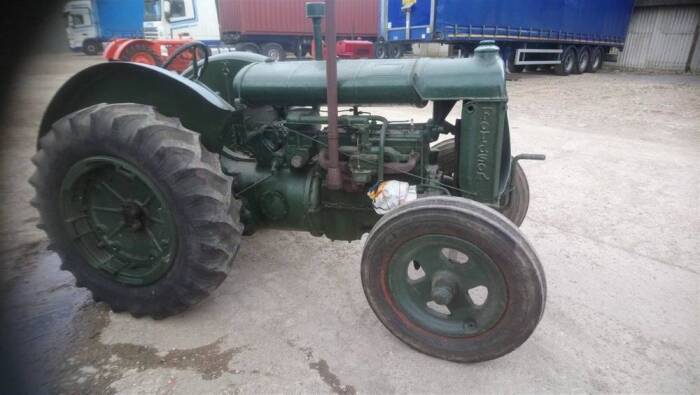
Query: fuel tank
{"type": "Point", "coordinates": [375, 81]}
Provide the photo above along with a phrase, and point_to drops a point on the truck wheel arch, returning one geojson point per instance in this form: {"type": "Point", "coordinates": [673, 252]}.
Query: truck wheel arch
{"type": "Point", "coordinates": [198, 108]}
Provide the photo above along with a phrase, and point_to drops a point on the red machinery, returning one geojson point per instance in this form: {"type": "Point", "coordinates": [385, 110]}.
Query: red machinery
{"type": "Point", "coordinates": [349, 49]}
{"type": "Point", "coordinates": [153, 52]}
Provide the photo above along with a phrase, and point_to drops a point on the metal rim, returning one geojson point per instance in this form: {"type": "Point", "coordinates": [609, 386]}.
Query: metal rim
{"type": "Point", "coordinates": [118, 219]}
{"type": "Point", "coordinates": [447, 285]}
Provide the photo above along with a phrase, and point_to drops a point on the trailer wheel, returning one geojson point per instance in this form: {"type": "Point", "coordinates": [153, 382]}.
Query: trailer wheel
{"type": "Point", "coordinates": [248, 47]}
{"type": "Point", "coordinates": [512, 67]}
{"type": "Point", "coordinates": [583, 60]}
{"type": "Point", "coordinates": [139, 212]}
{"type": "Point", "coordinates": [395, 51]}
{"type": "Point", "coordinates": [91, 47]}
{"type": "Point", "coordinates": [596, 62]}
{"type": "Point", "coordinates": [453, 279]}
{"type": "Point", "coordinates": [517, 200]}
{"type": "Point", "coordinates": [274, 51]}
{"type": "Point", "coordinates": [140, 53]}
{"type": "Point", "coordinates": [568, 62]}
{"type": "Point", "coordinates": [380, 50]}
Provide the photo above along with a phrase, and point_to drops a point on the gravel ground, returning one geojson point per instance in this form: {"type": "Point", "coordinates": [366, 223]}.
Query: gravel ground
{"type": "Point", "coordinates": [613, 215]}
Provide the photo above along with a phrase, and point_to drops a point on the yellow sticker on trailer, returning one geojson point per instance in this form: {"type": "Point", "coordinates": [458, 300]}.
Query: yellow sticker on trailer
{"type": "Point", "coordinates": [405, 4]}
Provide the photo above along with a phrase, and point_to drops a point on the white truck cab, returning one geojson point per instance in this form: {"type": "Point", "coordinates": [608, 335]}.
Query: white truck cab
{"type": "Point", "coordinates": [181, 19]}
{"type": "Point", "coordinates": [80, 26]}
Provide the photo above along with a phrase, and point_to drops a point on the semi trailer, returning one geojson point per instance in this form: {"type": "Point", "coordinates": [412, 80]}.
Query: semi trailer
{"type": "Point", "coordinates": [90, 23]}
{"type": "Point", "coordinates": [570, 36]}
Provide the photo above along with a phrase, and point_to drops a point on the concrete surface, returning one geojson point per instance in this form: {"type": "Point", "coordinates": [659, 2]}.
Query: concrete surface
{"type": "Point", "coordinates": [614, 217]}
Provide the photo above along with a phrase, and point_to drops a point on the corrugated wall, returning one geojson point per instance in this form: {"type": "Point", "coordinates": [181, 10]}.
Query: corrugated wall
{"type": "Point", "coordinates": [660, 38]}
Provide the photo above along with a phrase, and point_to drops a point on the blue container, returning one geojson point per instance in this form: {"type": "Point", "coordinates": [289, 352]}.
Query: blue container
{"type": "Point", "coordinates": [601, 22]}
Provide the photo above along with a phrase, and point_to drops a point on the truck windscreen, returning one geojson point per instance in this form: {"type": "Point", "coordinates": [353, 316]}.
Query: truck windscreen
{"type": "Point", "coordinates": [151, 10]}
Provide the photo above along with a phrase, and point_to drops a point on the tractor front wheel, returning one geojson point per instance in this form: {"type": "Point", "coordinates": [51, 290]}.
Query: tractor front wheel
{"type": "Point", "coordinates": [453, 279]}
{"type": "Point", "coordinates": [139, 212]}
{"type": "Point", "coordinates": [517, 199]}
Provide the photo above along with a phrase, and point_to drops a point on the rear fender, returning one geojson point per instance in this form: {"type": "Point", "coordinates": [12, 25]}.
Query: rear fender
{"type": "Point", "coordinates": [114, 48]}
{"type": "Point", "coordinates": [197, 107]}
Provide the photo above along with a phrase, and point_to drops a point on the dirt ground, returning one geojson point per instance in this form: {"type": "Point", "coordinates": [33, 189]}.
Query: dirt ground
{"type": "Point", "coordinates": [614, 216]}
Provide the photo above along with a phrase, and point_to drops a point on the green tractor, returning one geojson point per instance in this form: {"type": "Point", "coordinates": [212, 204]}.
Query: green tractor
{"type": "Point", "coordinates": [146, 181]}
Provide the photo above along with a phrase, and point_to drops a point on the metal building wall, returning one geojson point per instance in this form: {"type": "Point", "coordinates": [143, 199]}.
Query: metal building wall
{"type": "Point", "coordinates": [661, 38]}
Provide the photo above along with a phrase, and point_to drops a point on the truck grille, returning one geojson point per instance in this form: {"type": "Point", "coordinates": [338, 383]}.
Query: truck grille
{"type": "Point", "coordinates": [150, 32]}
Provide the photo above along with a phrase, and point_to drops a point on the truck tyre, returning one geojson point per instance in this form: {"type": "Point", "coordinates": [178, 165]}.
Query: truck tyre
{"type": "Point", "coordinates": [453, 279]}
{"type": "Point", "coordinates": [138, 210]}
{"type": "Point", "coordinates": [140, 53]}
{"type": "Point", "coordinates": [248, 47]}
{"type": "Point", "coordinates": [515, 209]}
{"type": "Point", "coordinates": [568, 62]}
{"type": "Point", "coordinates": [596, 62]}
{"type": "Point", "coordinates": [380, 50]}
{"type": "Point", "coordinates": [511, 67]}
{"type": "Point", "coordinates": [274, 51]}
{"type": "Point", "coordinates": [91, 47]}
{"type": "Point", "coordinates": [395, 51]}
{"type": "Point", "coordinates": [583, 59]}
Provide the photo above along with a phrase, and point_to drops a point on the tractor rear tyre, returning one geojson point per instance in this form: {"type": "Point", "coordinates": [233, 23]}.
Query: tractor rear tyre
{"type": "Point", "coordinates": [453, 279]}
{"type": "Point", "coordinates": [517, 202]}
{"type": "Point", "coordinates": [140, 53]}
{"type": "Point", "coordinates": [274, 51]}
{"type": "Point", "coordinates": [139, 212]}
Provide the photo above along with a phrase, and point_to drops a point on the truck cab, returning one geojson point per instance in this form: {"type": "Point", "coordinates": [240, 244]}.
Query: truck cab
{"type": "Point", "coordinates": [181, 19]}
{"type": "Point", "coordinates": [80, 26]}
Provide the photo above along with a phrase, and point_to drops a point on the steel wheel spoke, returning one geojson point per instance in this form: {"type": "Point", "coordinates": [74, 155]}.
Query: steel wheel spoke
{"type": "Point", "coordinates": [112, 191]}
{"type": "Point", "coordinates": [106, 209]}
{"type": "Point", "coordinates": [147, 201]}
{"type": "Point", "coordinates": [153, 239]}
{"type": "Point", "coordinates": [156, 220]}
{"type": "Point", "coordinates": [76, 218]}
{"type": "Point", "coordinates": [116, 230]}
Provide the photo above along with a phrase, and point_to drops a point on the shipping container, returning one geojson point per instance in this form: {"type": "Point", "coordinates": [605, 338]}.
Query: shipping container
{"type": "Point", "coordinates": [530, 32]}
{"type": "Point", "coordinates": [253, 24]}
